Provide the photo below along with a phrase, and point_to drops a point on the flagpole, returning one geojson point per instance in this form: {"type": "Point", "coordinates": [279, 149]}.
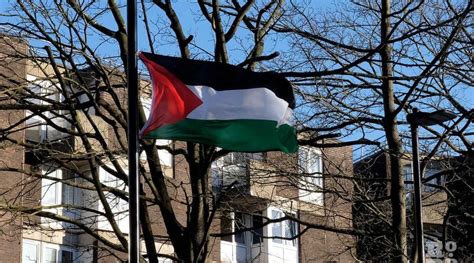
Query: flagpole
{"type": "Point", "coordinates": [133, 178]}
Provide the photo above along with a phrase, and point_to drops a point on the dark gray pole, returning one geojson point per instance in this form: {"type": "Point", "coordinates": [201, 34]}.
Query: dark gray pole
{"type": "Point", "coordinates": [420, 248]}
{"type": "Point", "coordinates": [133, 178]}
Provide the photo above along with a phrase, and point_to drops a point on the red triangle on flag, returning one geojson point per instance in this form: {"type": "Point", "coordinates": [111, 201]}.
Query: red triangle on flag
{"type": "Point", "coordinates": [172, 100]}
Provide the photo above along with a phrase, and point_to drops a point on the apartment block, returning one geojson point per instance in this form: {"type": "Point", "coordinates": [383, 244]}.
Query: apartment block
{"type": "Point", "coordinates": [50, 211]}
{"type": "Point", "coordinates": [443, 179]}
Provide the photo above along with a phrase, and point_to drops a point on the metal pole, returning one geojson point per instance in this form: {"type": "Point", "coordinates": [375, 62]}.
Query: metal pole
{"type": "Point", "coordinates": [133, 178]}
{"type": "Point", "coordinates": [417, 181]}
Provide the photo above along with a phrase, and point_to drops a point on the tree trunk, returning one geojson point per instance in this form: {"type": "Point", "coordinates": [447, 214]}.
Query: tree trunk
{"type": "Point", "coordinates": [397, 188]}
{"type": "Point", "coordinates": [194, 246]}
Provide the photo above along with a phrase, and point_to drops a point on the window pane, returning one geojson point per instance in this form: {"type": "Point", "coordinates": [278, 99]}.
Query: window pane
{"type": "Point", "coordinates": [66, 256]}
{"type": "Point", "coordinates": [290, 231]}
{"type": "Point", "coordinates": [257, 233]}
{"type": "Point", "coordinates": [239, 225]}
{"type": "Point", "coordinates": [302, 159]}
{"type": "Point", "coordinates": [276, 227]}
{"type": "Point", "coordinates": [287, 227]}
{"type": "Point", "coordinates": [68, 195]}
{"type": "Point", "coordinates": [50, 194]}
{"type": "Point", "coordinates": [435, 181]}
{"type": "Point", "coordinates": [49, 255]}
{"type": "Point", "coordinates": [309, 161]}
{"type": "Point", "coordinates": [226, 226]}
{"type": "Point", "coordinates": [408, 173]}
{"type": "Point", "coordinates": [48, 191]}
{"type": "Point", "coordinates": [318, 182]}
{"type": "Point", "coordinates": [30, 253]}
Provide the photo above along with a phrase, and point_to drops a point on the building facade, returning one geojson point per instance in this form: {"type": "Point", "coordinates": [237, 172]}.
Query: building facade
{"type": "Point", "coordinates": [52, 212]}
{"type": "Point", "coordinates": [443, 179]}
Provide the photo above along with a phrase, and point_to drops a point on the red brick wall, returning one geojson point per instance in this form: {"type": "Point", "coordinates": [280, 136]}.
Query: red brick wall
{"type": "Point", "coordinates": [320, 245]}
{"type": "Point", "coordinates": [12, 71]}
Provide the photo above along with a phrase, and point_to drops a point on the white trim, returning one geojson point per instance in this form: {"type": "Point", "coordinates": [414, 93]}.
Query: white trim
{"type": "Point", "coordinates": [50, 188]}
{"type": "Point", "coordinates": [50, 246]}
{"type": "Point", "coordinates": [286, 250]}
{"type": "Point", "coordinates": [36, 125]}
{"type": "Point", "coordinates": [312, 183]}
{"type": "Point", "coordinates": [47, 184]}
{"type": "Point", "coordinates": [118, 206]}
{"type": "Point", "coordinates": [37, 246]}
{"type": "Point", "coordinates": [41, 247]}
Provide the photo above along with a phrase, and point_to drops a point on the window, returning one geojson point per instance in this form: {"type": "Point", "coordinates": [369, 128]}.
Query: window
{"type": "Point", "coordinates": [283, 247]}
{"type": "Point", "coordinates": [310, 164]}
{"type": "Point", "coordinates": [43, 92]}
{"type": "Point", "coordinates": [241, 158]}
{"type": "Point", "coordinates": [234, 222]}
{"type": "Point", "coordinates": [246, 245]}
{"type": "Point", "coordinates": [69, 193]}
{"type": "Point", "coordinates": [67, 256]}
{"type": "Point", "coordinates": [227, 226]}
{"type": "Point", "coordinates": [257, 234]}
{"type": "Point", "coordinates": [50, 255]}
{"type": "Point", "coordinates": [118, 206]}
{"type": "Point", "coordinates": [286, 229]}
{"type": "Point", "coordinates": [239, 225]}
{"type": "Point", "coordinates": [30, 251]}
{"type": "Point", "coordinates": [41, 252]}
{"type": "Point", "coordinates": [234, 159]}
{"type": "Point", "coordinates": [428, 172]}
{"type": "Point", "coordinates": [277, 227]}
{"type": "Point", "coordinates": [437, 179]}
{"type": "Point", "coordinates": [58, 193]}
{"type": "Point", "coordinates": [235, 248]}
{"type": "Point", "coordinates": [70, 197]}
{"type": "Point", "coordinates": [51, 189]}
{"type": "Point", "coordinates": [408, 174]}
{"type": "Point", "coordinates": [229, 171]}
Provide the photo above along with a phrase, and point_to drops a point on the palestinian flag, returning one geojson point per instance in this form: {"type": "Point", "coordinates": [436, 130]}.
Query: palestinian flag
{"type": "Point", "coordinates": [219, 104]}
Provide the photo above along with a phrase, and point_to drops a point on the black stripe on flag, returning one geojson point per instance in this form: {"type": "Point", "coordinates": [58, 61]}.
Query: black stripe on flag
{"type": "Point", "coordinates": [222, 76]}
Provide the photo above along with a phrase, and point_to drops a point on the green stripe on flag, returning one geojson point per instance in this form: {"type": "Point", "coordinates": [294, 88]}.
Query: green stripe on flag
{"type": "Point", "coordinates": [233, 135]}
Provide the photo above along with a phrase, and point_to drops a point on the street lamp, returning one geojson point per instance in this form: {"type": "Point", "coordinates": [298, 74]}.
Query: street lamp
{"type": "Point", "coordinates": [416, 119]}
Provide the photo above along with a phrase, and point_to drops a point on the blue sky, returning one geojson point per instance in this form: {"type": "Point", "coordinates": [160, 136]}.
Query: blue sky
{"type": "Point", "coordinates": [203, 35]}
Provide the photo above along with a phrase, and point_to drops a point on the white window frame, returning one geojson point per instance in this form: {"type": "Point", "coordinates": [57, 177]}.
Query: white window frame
{"type": "Point", "coordinates": [283, 226]}
{"type": "Point", "coordinates": [230, 169]}
{"type": "Point", "coordinates": [281, 250]}
{"type": "Point", "coordinates": [34, 243]}
{"type": "Point", "coordinates": [311, 186]}
{"type": "Point", "coordinates": [45, 87]}
{"type": "Point", "coordinates": [46, 187]}
{"type": "Point", "coordinates": [45, 246]}
{"type": "Point", "coordinates": [238, 246]}
{"type": "Point", "coordinates": [41, 249]}
{"type": "Point", "coordinates": [118, 206]}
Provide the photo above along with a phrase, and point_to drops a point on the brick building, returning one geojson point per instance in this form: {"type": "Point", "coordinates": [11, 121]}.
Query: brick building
{"type": "Point", "coordinates": [51, 213]}
{"type": "Point", "coordinates": [444, 179]}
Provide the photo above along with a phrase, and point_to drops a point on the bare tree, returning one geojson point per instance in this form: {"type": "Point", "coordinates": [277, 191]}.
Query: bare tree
{"type": "Point", "coordinates": [358, 72]}
{"type": "Point", "coordinates": [77, 51]}
{"type": "Point", "coordinates": [362, 69]}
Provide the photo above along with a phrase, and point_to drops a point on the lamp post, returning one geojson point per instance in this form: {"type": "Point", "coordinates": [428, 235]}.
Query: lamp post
{"type": "Point", "coordinates": [416, 119]}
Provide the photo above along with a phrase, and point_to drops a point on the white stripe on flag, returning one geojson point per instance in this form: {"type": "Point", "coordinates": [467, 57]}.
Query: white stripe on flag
{"type": "Point", "coordinates": [250, 104]}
